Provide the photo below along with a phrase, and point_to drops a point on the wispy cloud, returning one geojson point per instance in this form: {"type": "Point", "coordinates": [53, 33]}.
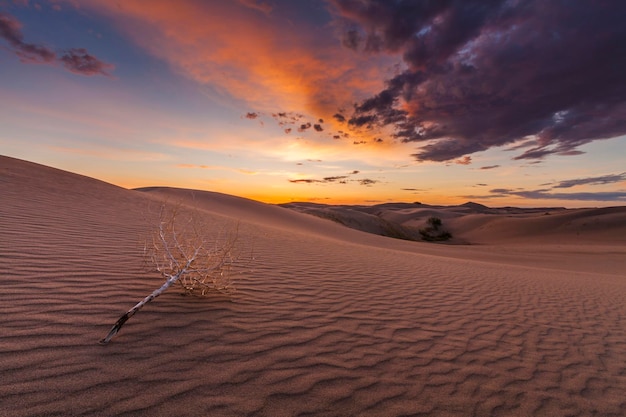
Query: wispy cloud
{"type": "Point", "coordinates": [79, 61]}
{"type": "Point", "coordinates": [367, 181]}
{"type": "Point", "coordinates": [76, 60]}
{"type": "Point", "coordinates": [10, 30]}
{"type": "Point", "coordinates": [260, 59]}
{"type": "Point", "coordinates": [485, 74]}
{"type": "Point", "coordinates": [466, 160]}
{"type": "Point", "coordinates": [549, 193]}
{"type": "Point", "coordinates": [251, 115]}
{"type": "Point", "coordinates": [259, 5]}
{"type": "Point", "coordinates": [339, 179]}
{"type": "Point", "coordinates": [618, 196]}
{"type": "Point", "coordinates": [605, 179]}
{"type": "Point", "coordinates": [305, 181]}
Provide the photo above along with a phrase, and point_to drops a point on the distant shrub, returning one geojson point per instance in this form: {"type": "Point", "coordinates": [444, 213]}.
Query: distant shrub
{"type": "Point", "coordinates": [435, 222]}
{"type": "Point", "coordinates": [433, 231]}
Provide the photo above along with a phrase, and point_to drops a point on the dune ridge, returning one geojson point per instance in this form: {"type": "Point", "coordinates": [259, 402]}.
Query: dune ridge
{"type": "Point", "coordinates": [472, 223]}
{"type": "Point", "coordinates": [330, 321]}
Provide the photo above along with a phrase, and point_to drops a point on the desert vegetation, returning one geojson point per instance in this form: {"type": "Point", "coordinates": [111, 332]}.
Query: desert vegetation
{"type": "Point", "coordinates": [434, 232]}
{"type": "Point", "coordinates": [188, 254]}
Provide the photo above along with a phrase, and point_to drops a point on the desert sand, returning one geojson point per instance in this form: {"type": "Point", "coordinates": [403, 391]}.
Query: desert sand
{"type": "Point", "coordinates": [524, 316]}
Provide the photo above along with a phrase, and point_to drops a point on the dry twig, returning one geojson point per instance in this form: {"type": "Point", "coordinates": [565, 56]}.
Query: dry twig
{"type": "Point", "coordinates": [183, 254]}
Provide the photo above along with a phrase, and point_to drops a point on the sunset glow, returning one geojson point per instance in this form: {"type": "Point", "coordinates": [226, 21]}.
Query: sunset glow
{"type": "Point", "coordinates": [337, 101]}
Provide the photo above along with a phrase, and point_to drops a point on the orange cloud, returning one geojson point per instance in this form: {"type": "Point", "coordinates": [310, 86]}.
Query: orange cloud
{"type": "Point", "coordinates": [249, 53]}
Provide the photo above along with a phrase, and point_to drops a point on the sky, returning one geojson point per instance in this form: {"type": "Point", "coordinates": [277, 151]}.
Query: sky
{"type": "Point", "coordinates": [501, 102]}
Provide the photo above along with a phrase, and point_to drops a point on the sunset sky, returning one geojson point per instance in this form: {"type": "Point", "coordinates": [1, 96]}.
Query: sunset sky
{"type": "Point", "coordinates": [501, 102]}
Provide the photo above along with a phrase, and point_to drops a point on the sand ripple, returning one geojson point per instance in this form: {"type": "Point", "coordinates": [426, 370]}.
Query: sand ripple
{"type": "Point", "coordinates": [319, 328]}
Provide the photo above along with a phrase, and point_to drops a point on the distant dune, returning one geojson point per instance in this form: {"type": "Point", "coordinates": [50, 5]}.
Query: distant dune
{"type": "Point", "coordinates": [475, 223]}
{"type": "Point", "coordinates": [525, 318]}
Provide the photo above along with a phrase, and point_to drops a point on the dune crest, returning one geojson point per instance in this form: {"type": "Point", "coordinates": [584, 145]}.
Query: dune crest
{"type": "Point", "coordinates": [330, 322]}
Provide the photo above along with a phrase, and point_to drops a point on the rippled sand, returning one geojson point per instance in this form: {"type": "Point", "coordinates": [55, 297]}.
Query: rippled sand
{"type": "Point", "coordinates": [328, 321]}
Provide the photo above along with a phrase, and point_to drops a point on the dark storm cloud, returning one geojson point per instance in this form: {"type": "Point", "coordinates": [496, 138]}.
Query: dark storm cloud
{"type": "Point", "coordinates": [351, 38]}
{"type": "Point", "coordinates": [76, 60]}
{"type": "Point", "coordinates": [481, 74]}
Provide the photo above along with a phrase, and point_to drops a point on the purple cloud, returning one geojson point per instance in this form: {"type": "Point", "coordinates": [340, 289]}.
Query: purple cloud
{"type": "Point", "coordinates": [605, 179]}
{"type": "Point", "coordinates": [482, 74]}
{"type": "Point", "coordinates": [303, 127]}
{"type": "Point", "coordinates": [76, 60]}
{"type": "Point", "coordinates": [367, 182]}
{"type": "Point", "coordinates": [339, 179]}
{"type": "Point", "coordinates": [466, 160]}
{"type": "Point", "coordinates": [546, 195]}
{"type": "Point", "coordinates": [79, 61]}
{"type": "Point", "coordinates": [306, 181]}
{"type": "Point", "coordinates": [10, 30]}
{"type": "Point", "coordinates": [258, 5]}
{"type": "Point", "coordinates": [339, 117]}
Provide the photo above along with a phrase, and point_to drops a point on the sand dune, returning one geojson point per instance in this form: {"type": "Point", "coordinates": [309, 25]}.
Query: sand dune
{"type": "Point", "coordinates": [330, 321]}
{"type": "Point", "coordinates": [472, 223]}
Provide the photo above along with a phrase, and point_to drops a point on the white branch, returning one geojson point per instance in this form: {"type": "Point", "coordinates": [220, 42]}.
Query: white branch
{"type": "Point", "coordinates": [175, 255]}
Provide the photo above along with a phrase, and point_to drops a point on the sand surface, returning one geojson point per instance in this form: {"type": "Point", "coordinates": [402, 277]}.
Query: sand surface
{"type": "Point", "coordinates": [326, 321]}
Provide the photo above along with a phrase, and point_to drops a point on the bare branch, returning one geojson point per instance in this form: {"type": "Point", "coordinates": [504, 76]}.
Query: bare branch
{"type": "Point", "coordinates": [181, 255]}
